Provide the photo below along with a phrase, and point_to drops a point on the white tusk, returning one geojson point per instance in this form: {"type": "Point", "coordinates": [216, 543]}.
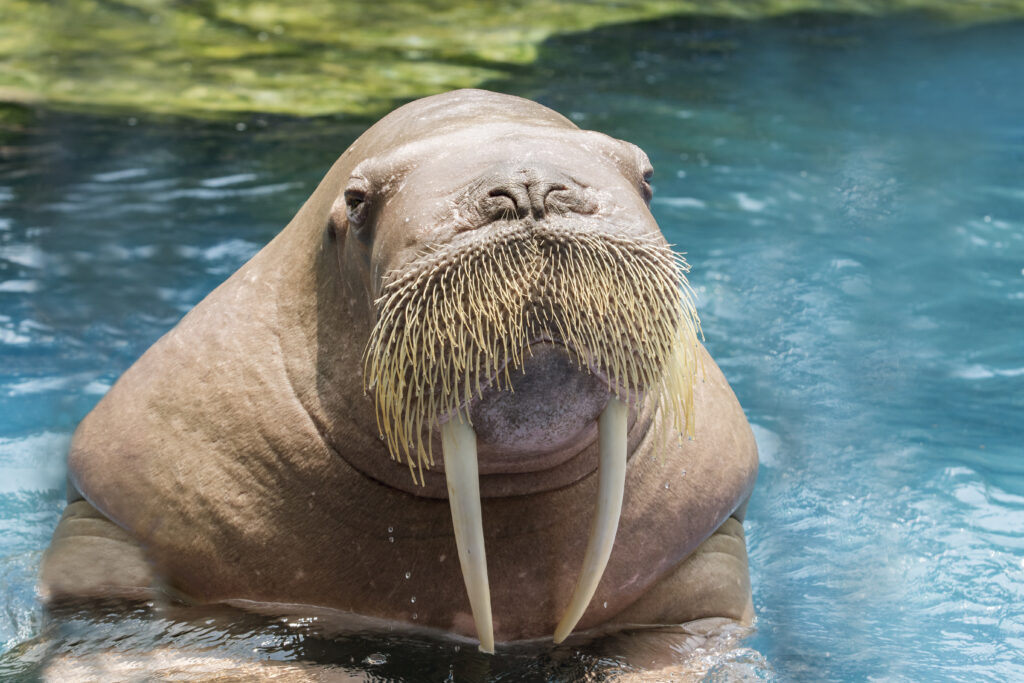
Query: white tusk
{"type": "Point", "coordinates": [462, 473]}
{"type": "Point", "coordinates": [610, 486]}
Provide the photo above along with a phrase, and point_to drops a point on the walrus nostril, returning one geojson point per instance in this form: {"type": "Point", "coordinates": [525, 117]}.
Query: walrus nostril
{"type": "Point", "coordinates": [526, 195]}
{"type": "Point", "coordinates": [539, 193]}
{"type": "Point", "coordinates": [507, 202]}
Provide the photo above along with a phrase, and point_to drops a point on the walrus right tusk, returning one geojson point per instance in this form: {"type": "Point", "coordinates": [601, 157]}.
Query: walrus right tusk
{"type": "Point", "coordinates": [458, 442]}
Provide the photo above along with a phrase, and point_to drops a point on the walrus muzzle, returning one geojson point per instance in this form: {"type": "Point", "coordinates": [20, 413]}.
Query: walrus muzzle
{"type": "Point", "coordinates": [463, 316]}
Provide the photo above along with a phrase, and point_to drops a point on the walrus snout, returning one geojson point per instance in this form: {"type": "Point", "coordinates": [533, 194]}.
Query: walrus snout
{"type": "Point", "coordinates": [535, 191]}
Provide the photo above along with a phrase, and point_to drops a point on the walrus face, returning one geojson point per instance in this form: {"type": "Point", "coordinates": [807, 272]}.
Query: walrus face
{"type": "Point", "coordinates": [524, 300]}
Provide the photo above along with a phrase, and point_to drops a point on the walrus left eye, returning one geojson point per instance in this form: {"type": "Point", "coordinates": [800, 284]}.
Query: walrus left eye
{"type": "Point", "coordinates": [645, 184]}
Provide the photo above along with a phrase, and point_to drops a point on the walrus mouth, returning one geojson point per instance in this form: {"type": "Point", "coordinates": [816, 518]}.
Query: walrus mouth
{"type": "Point", "coordinates": [463, 316]}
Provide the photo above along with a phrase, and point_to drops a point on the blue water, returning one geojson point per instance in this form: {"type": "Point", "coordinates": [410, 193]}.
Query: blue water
{"type": "Point", "coordinates": [851, 195]}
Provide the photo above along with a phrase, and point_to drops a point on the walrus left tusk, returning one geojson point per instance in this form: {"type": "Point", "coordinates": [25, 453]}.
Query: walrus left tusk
{"type": "Point", "coordinates": [458, 442]}
{"type": "Point", "coordinates": [610, 486]}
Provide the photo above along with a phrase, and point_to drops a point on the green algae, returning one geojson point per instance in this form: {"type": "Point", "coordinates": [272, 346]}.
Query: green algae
{"type": "Point", "coordinates": [214, 59]}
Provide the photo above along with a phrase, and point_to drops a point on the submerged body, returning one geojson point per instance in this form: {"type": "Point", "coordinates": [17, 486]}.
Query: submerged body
{"type": "Point", "coordinates": [252, 454]}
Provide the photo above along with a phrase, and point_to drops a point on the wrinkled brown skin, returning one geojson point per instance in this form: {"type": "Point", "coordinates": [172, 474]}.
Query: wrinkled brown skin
{"type": "Point", "coordinates": [239, 457]}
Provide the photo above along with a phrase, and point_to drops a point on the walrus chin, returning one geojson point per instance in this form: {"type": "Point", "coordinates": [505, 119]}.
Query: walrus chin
{"type": "Point", "coordinates": [464, 316]}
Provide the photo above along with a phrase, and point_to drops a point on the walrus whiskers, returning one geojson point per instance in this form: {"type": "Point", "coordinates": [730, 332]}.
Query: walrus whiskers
{"type": "Point", "coordinates": [463, 319]}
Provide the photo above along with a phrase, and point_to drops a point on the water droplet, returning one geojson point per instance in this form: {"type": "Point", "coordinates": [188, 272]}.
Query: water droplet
{"type": "Point", "coordinates": [666, 485]}
{"type": "Point", "coordinates": [605, 604]}
{"type": "Point", "coordinates": [391, 529]}
{"type": "Point", "coordinates": [391, 539]}
{"type": "Point", "coordinates": [408, 575]}
{"type": "Point", "coordinates": [412, 599]}
{"type": "Point", "coordinates": [376, 659]}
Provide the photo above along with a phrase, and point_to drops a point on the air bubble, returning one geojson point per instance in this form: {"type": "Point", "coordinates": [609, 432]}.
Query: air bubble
{"type": "Point", "coordinates": [408, 575]}
{"type": "Point", "coordinates": [391, 539]}
{"type": "Point", "coordinates": [412, 599]}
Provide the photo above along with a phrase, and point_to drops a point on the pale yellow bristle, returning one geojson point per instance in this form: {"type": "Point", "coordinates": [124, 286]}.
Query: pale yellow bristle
{"type": "Point", "coordinates": [458, 319]}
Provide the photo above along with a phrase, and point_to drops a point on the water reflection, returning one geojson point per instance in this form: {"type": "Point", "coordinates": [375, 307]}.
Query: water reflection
{"type": "Point", "coordinates": [170, 642]}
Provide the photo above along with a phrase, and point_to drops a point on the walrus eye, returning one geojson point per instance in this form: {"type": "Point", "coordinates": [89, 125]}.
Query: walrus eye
{"type": "Point", "coordinates": [645, 184]}
{"type": "Point", "coordinates": [356, 207]}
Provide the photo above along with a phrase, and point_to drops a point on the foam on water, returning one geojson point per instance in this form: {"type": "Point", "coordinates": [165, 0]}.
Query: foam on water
{"type": "Point", "coordinates": [849, 193]}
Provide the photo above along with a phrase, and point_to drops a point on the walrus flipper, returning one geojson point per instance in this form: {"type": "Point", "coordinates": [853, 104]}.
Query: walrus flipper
{"type": "Point", "coordinates": [713, 582]}
{"type": "Point", "coordinates": [92, 559]}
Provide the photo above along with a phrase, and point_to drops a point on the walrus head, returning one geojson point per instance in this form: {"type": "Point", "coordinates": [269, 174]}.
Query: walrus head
{"type": "Point", "coordinates": [523, 304]}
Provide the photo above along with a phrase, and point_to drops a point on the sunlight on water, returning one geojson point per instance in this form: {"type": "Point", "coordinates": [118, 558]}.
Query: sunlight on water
{"type": "Point", "coordinates": [849, 193]}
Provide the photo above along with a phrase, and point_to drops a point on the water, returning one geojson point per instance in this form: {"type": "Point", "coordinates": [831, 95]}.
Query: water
{"type": "Point", "coordinates": [851, 195]}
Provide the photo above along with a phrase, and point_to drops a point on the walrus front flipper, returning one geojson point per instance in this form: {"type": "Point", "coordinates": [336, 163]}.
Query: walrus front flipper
{"type": "Point", "coordinates": [90, 559]}
{"type": "Point", "coordinates": [713, 582]}
{"type": "Point", "coordinates": [699, 611]}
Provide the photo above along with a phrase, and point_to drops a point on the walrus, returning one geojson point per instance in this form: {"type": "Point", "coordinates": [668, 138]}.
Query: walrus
{"type": "Point", "coordinates": [463, 389]}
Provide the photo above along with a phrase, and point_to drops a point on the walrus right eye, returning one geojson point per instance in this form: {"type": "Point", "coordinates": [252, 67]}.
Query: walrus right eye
{"type": "Point", "coordinates": [356, 207]}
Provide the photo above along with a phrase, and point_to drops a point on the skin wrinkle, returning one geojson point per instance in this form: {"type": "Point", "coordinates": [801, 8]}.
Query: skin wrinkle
{"type": "Point", "coordinates": [317, 425]}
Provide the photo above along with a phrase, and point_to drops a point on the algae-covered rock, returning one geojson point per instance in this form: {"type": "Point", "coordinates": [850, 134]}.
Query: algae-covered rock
{"type": "Point", "coordinates": [213, 58]}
